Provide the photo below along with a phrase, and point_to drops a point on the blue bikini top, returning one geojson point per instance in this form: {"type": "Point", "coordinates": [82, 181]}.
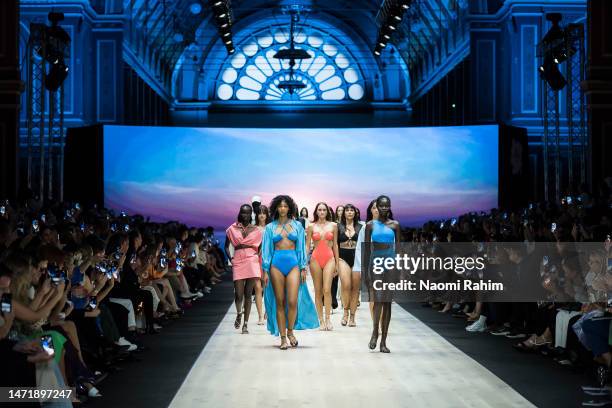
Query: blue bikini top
{"type": "Point", "coordinates": [382, 233]}
{"type": "Point", "coordinates": [292, 236]}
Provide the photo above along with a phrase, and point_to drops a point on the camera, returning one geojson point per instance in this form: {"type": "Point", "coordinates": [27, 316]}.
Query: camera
{"type": "Point", "coordinates": [6, 302]}
{"type": "Point", "coordinates": [35, 226]}
{"type": "Point", "coordinates": [46, 343]}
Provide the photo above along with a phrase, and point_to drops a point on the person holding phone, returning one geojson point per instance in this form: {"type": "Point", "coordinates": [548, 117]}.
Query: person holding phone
{"type": "Point", "coordinates": [246, 239]}
{"type": "Point", "coordinates": [284, 261]}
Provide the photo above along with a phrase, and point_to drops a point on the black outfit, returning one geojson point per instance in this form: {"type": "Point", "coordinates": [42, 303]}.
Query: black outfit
{"type": "Point", "coordinates": [348, 254]}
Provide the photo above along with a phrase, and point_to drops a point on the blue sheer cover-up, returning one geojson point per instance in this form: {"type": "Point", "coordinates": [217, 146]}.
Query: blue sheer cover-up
{"type": "Point", "coordinates": [306, 312]}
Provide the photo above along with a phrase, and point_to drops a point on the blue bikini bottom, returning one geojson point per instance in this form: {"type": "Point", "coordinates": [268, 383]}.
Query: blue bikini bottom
{"type": "Point", "coordinates": [284, 260]}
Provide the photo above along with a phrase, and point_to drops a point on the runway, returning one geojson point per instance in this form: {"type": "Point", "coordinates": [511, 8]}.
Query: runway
{"type": "Point", "coordinates": [336, 369]}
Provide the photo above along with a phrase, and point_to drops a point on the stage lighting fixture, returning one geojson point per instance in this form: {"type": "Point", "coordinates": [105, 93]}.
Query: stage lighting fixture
{"type": "Point", "coordinates": [292, 54]}
{"type": "Point", "coordinates": [382, 44]}
{"type": "Point", "coordinates": [391, 26]}
{"type": "Point", "coordinates": [56, 76]}
{"type": "Point", "coordinates": [549, 71]}
{"type": "Point", "coordinates": [376, 52]}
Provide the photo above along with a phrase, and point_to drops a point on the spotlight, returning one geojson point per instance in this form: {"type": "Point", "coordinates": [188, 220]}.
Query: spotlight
{"type": "Point", "coordinates": [56, 76]}
{"type": "Point", "coordinates": [391, 26]}
{"type": "Point", "coordinates": [228, 42]}
{"type": "Point", "coordinates": [453, 106]}
{"type": "Point", "coordinates": [227, 34]}
{"type": "Point", "coordinates": [224, 25]}
{"type": "Point", "coordinates": [195, 8]}
{"type": "Point", "coordinates": [549, 71]}
{"type": "Point", "coordinates": [386, 36]}
{"type": "Point", "coordinates": [232, 50]}
{"type": "Point", "coordinates": [382, 44]}
{"type": "Point", "coordinates": [222, 15]}
{"type": "Point", "coordinates": [376, 52]}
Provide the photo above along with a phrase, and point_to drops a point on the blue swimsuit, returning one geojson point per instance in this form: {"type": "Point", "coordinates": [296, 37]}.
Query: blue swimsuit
{"type": "Point", "coordinates": [285, 259]}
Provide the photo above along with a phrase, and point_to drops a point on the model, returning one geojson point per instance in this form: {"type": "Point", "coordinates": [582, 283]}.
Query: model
{"type": "Point", "coordinates": [262, 218]}
{"type": "Point", "coordinates": [348, 231]}
{"type": "Point", "coordinates": [246, 239]}
{"type": "Point", "coordinates": [284, 262]}
{"type": "Point", "coordinates": [324, 260]}
{"type": "Point", "coordinates": [383, 234]}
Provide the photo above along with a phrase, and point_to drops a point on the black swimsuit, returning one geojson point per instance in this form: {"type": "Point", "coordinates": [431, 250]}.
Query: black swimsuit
{"type": "Point", "coordinates": [345, 253]}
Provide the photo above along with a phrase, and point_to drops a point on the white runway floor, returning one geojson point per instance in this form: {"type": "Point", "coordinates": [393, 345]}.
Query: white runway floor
{"type": "Point", "coordinates": [336, 369]}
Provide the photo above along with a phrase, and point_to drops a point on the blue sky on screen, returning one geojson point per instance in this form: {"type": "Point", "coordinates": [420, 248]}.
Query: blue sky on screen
{"type": "Point", "coordinates": [201, 176]}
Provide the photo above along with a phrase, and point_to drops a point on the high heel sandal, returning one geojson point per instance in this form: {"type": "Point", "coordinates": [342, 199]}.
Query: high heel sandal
{"type": "Point", "coordinates": [245, 329]}
{"type": "Point", "coordinates": [238, 321]}
{"type": "Point", "coordinates": [328, 325]}
{"type": "Point", "coordinates": [373, 341]}
{"type": "Point", "coordinates": [283, 345]}
{"type": "Point", "coordinates": [344, 320]}
{"type": "Point", "coordinates": [351, 322]}
{"type": "Point", "coordinates": [292, 340]}
{"type": "Point", "coordinates": [383, 348]}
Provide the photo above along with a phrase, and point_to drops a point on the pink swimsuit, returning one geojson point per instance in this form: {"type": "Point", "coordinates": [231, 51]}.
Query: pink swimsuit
{"type": "Point", "coordinates": [322, 252]}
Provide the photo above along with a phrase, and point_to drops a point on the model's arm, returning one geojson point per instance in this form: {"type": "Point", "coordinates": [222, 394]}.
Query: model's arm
{"type": "Point", "coordinates": [308, 241]}
{"type": "Point", "coordinates": [398, 233]}
{"type": "Point", "coordinates": [226, 247]}
{"type": "Point", "coordinates": [368, 252]}
{"type": "Point", "coordinates": [335, 247]}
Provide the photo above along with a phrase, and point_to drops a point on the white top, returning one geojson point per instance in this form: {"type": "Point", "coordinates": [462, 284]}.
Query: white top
{"type": "Point", "coordinates": [360, 239]}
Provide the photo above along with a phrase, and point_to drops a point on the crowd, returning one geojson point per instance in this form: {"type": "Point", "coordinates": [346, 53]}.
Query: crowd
{"type": "Point", "coordinates": [567, 322]}
{"type": "Point", "coordinates": [80, 287]}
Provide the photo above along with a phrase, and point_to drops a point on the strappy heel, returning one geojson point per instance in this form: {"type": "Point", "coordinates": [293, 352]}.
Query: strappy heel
{"type": "Point", "coordinates": [384, 348]}
{"type": "Point", "coordinates": [373, 341]}
{"type": "Point", "coordinates": [238, 321]}
{"type": "Point", "coordinates": [344, 320]}
{"type": "Point", "coordinates": [292, 340]}
{"type": "Point", "coordinates": [245, 329]}
{"type": "Point", "coordinates": [283, 345]}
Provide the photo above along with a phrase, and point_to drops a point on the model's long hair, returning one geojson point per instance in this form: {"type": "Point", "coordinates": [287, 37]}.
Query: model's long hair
{"type": "Point", "coordinates": [336, 214]}
{"type": "Point", "coordinates": [302, 210]}
{"type": "Point", "coordinates": [243, 205]}
{"type": "Point", "coordinates": [262, 210]}
{"type": "Point", "coordinates": [382, 197]}
{"type": "Point", "coordinates": [291, 214]}
{"type": "Point", "coordinates": [315, 216]}
{"type": "Point", "coordinates": [369, 215]}
{"type": "Point", "coordinates": [355, 219]}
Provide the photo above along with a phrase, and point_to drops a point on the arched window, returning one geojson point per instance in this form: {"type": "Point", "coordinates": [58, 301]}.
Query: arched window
{"type": "Point", "coordinates": [252, 73]}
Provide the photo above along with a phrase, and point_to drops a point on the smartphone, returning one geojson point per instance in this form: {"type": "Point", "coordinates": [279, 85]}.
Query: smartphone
{"type": "Point", "coordinates": [133, 259]}
{"type": "Point", "coordinates": [82, 227]}
{"type": "Point", "coordinates": [114, 271]}
{"type": "Point", "coordinates": [101, 267]}
{"type": "Point", "coordinates": [126, 228]}
{"type": "Point", "coordinates": [525, 222]}
{"type": "Point", "coordinates": [2, 210]}
{"type": "Point", "coordinates": [122, 214]}
{"type": "Point", "coordinates": [163, 263]}
{"type": "Point", "coordinates": [46, 342]}
{"type": "Point", "coordinates": [609, 265]}
{"type": "Point", "coordinates": [193, 253]}
{"type": "Point", "coordinates": [442, 225]}
{"type": "Point", "coordinates": [569, 200]}
{"type": "Point", "coordinates": [35, 227]}
{"type": "Point", "coordinates": [553, 227]}
{"type": "Point", "coordinates": [505, 216]}
{"type": "Point", "coordinates": [93, 303]}
{"type": "Point", "coordinates": [6, 303]}
{"type": "Point", "coordinates": [453, 222]}
{"type": "Point", "coordinates": [113, 227]}
{"type": "Point", "coordinates": [77, 206]}
{"type": "Point", "coordinates": [54, 274]}
{"type": "Point", "coordinates": [545, 260]}
{"type": "Point", "coordinates": [43, 218]}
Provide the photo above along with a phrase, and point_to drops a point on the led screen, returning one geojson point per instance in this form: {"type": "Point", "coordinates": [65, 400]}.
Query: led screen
{"type": "Point", "coordinates": [201, 176]}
